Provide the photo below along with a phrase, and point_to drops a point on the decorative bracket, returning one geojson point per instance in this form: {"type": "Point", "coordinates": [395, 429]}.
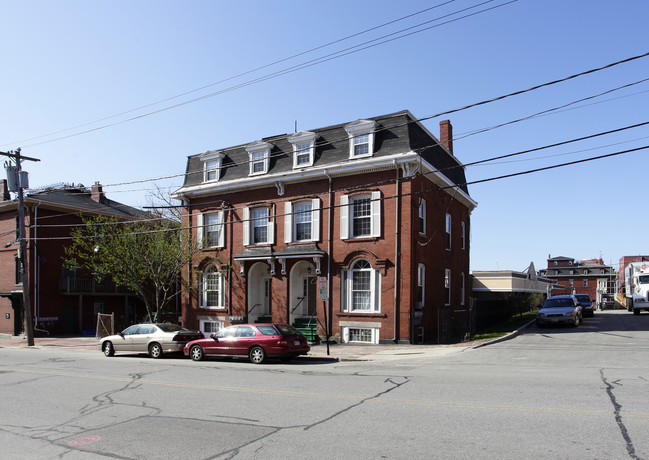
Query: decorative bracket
{"type": "Point", "coordinates": [280, 188]}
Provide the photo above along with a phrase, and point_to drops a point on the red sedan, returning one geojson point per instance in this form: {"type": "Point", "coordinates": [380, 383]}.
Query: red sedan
{"type": "Point", "coordinates": [256, 341]}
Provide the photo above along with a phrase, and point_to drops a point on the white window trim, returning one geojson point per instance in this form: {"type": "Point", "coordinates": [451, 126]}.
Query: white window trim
{"type": "Point", "coordinates": [290, 231]}
{"type": "Point", "coordinates": [202, 303]}
{"type": "Point", "coordinates": [374, 337]}
{"type": "Point", "coordinates": [248, 228]}
{"type": "Point", "coordinates": [208, 157]}
{"type": "Point", "coordinates": [202, 229]}
{"type": "Point", "coordinates": [447, 287]}
{"type": "Point", "coordinates": [375, 290]}
{"type": "Point", "coordinates": [201, 325]}
{"type": "Point", "coordinates": [301, 138]}
{"type": "Point", "coordinates": [347, 221]}
{"type": "Point", "coordinates": [421, 284]}
{"type": "Point", "coordinates": [449, 234]}
{"type": "Point", "coordinates": [259, 147]}
{"type": "Point", "coordinates": [361, 128]}
{"type": "Point", "coordinates": [421, 215]}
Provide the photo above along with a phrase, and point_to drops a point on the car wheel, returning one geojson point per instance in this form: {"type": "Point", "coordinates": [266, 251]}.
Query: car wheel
{"type": "Point", "coordinates": [257, 355]}
{"type": "Point", "coordinates": [108, 349]}
{"type": "Point", "coordinates": [196, 353]}
{"type": "Point", "coordinates": [155, 350]}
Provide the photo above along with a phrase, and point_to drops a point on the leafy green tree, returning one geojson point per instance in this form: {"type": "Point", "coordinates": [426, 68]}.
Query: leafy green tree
{"type": "Point", "coordinates": [146, 255]}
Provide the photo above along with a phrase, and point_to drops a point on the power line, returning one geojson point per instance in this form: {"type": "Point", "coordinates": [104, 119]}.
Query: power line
{"type": "Point", "coordinates": [419, 192]}
{"type": "Point", "coordinates": [354, 49]}
{"type": "Point", "coordinates": [233, 77]}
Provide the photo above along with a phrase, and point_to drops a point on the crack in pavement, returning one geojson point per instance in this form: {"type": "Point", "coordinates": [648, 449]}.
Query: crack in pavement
{"type": "Point", "coordinates": [618, 417]}
{"type": "Point", "coordinates": [395, 385]}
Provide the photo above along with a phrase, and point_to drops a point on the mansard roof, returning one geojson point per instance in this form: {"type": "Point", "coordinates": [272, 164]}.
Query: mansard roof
{"type": "Point", "coordinates": [395, 134]}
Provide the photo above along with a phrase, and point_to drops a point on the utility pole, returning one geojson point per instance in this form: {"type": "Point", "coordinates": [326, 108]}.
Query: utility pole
{"type": "Point", "coordinates": [17, 180]}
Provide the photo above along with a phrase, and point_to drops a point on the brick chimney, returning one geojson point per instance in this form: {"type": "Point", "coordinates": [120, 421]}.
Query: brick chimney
{"type": "Point", "coordinates": [446, 134]}
{"type": "Point", "coordinates": [4, 191]}
{"type": "Point", "coordinates": [97, 193]}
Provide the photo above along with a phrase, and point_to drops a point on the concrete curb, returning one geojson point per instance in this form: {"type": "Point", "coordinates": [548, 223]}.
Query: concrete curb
{"type": "Point", "coordinates": [511, 335]}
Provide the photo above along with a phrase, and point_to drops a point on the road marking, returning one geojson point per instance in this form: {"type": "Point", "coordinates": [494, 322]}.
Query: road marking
{"type": "Point", "coordinates": [83, 441]}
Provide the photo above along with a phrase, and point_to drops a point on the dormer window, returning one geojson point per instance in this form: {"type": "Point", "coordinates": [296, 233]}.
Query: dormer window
{"type": "Point", "coordinates": [361, 138]}
{"type": "Point", "coordinates": [303, 148]}
{"type": "Point", "coordinates": [212, 162]}
{"type": "Point", "coordinates": [259, 157]}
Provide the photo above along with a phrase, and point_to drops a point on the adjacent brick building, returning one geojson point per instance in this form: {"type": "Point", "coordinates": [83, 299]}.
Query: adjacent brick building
{"type": "Point", "coordinates": [359, 229]}
{"type": "Point", "coordinates": [63, 301]}
{"type": "Point", "coordinates": [590, 277]}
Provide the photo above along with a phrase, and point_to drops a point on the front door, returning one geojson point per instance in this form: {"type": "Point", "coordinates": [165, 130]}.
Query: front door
{"type": "Point", "coordinates": [311, 285]}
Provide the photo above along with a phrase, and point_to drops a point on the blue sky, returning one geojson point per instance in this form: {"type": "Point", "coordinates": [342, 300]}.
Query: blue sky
{"type": "Point", "coordinates": [69, 64]}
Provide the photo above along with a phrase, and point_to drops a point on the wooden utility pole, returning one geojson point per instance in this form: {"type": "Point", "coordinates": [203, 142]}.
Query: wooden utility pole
{"type": "Point", "coordinates": [17, 181]}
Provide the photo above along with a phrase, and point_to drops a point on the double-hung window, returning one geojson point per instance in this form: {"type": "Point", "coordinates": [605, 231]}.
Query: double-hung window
{"type": "Point", "coordinates": [422, 216]}
{"type": "Point", "coordinates": [361, 288]}
{"type": "Point", "coordinates": [302, 221]}
{"type": "Point", "coordinates": [448, 231]}
{"type": "Point", "coordinates": [211, 229]}
{"type": "Point", "coordinates": [421, 282]}
{"type": "Point", "coordinates": [360, 216]}
{"type": "Point", "coordinates": [463, 236]}
{"type": "Point", "coordinates": [259, 157]}
{"type": "Point", "coordinates": [361, 138]}
{"type": "Point", "coordinates": [447, 287]}
{"type": "Point", "coordinates": [303, 148]}
{"type": "Point", "coordinates": [211, 288]}
{"type": "Point", "coordinates": [212, 162]}
{"type": "Point", "coordinates": [257, 226]}
{"type": "Point", "coordinates": [260, 225]}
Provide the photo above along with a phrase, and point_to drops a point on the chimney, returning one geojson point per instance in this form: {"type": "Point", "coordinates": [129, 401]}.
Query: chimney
{"type": "Point", "coordinates": [446, 134]}
{"type": "Point", "coordinates": [97, 193]}
{"type": "Point", "coordinates": [4, 191]}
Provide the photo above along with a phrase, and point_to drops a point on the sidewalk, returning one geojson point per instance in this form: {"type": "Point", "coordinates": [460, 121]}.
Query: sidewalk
{"type": "Point", "coordinates": [337, 352]}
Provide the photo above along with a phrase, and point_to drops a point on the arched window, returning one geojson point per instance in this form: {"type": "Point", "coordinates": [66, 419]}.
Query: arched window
{"type": "Point", "coordinates": [361, 288]}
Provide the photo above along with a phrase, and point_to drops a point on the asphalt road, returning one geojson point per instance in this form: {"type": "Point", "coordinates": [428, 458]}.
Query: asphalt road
{"type": "Point", "coordinates": [548, 393]}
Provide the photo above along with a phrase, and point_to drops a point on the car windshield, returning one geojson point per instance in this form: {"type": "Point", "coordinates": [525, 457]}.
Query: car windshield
{"type": "Point", "coordinates": [584, 298]}
{"type": "Point", "coordinates": [643, 279]}
{"type": "Point", "coordinates": [170, 327]}
{"type": "Point", "coordinates": [558, 303]}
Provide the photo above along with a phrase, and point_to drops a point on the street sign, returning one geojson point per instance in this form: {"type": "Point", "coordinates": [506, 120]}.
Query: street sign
{"type": "Point", "coordinates": [324, 291]}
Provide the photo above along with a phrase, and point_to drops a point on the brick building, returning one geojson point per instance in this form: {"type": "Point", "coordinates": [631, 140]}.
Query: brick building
{"type": "Point", "coordinates": [590, 277]}
{"type": "Point", "coordinates": [63, 301]}
{"type": "Point", "coordinates": [359, 229]}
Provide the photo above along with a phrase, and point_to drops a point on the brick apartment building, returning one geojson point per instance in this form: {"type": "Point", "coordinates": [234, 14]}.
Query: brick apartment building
{"type": "Point", "coordinates": [572, 276]}
{"type": "Point", "coordinates": [359, 229]}
{"type": "Point", "coordinates": [63, 301]}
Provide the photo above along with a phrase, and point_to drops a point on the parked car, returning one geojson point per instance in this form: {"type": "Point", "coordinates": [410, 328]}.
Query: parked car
{"type": "Point", "coordinates": [587, 305]}
{"type": "Point", "coordinates": [256, 341]}
{"type": "Point", "coordinates": [154, 339]}
{"type": "Point", "coordinates": [608, 301]}
{"type": "Point", "coordinates": [559, 309]}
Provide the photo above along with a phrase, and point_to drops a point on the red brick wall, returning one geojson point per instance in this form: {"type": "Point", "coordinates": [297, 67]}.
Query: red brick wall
{"type": "Point", "coordinates": [379, 251]}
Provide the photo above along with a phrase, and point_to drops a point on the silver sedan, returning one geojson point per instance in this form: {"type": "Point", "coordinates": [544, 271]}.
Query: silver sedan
{"type": "Point", "coordinates": [154, 339]}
